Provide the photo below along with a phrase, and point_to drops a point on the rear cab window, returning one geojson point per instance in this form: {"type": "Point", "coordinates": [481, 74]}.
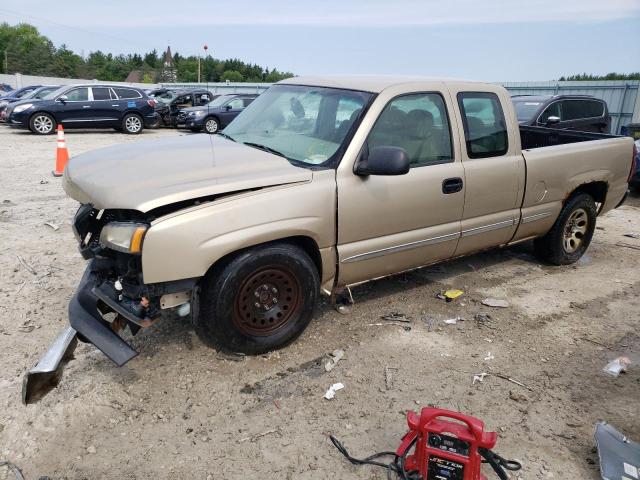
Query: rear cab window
{"type": "Point", "coordinates": [485, 129]}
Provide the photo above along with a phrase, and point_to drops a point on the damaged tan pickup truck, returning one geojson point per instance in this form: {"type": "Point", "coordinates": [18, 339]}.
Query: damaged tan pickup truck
{"type": "Point", "coordinates": [319, 184]}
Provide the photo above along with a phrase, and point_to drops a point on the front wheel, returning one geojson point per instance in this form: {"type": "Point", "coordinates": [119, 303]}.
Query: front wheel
{"type": "Point", "coordinates": [42, 124]}
{"type": "Point", "coordinates": [211, 125]}
{"type": "Point", "coordinates": [260, 300]}
{"type": "Point", "coordinates": [132, 124]}
{"type": "Point", "coordinates": [571, 235]}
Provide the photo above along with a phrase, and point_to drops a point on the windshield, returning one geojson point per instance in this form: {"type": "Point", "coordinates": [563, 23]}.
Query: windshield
{"type": "Point", "coordinates": [40, 92]}
{"type": "Point", "coordinates": [526, 110]}
{"type": "Point", "coordinates": [305, 124]}
{"type": "Point", "coordinates": [219, 101]}
{"type": "Point", "coordinates": [55, 93]}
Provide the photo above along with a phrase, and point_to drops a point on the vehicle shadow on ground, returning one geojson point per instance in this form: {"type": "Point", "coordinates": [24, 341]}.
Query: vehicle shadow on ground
{"type": "Point", "coordinates": [173, 331]}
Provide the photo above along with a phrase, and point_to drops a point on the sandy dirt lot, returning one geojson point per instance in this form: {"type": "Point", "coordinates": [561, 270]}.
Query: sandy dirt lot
{"type": "Point", "coordinates": [182, 410]}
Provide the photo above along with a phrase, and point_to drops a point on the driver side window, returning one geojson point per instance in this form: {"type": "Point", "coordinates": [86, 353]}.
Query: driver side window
{"type": "Point", "coordinates": [419, 124]}
{"type": "Point", "coordinates": [236, 104]}
{"type": "Point", "coordinates": [78, 95]}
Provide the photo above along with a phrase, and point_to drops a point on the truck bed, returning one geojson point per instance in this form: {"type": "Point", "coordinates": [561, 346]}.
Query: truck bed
{"type": "Point", "coordinates": [538, 137]}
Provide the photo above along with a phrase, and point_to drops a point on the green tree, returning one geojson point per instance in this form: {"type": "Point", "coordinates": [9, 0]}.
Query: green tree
{"type": "Point", "coordinates": [66, 63]}
{"type": "Point", "coordinates": [231, 76]}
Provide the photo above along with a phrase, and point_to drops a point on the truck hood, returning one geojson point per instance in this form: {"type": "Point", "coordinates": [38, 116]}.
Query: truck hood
{"type": "Point", "coordinates": [146, 175]}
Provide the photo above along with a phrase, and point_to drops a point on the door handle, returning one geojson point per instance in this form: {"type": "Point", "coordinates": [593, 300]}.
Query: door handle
{"type": "Point", "coordinates": [115, 105]}
{"type": "Point", "coordinates": [86, 106]}
{"type": "Point", "coordinates": [451, 185]}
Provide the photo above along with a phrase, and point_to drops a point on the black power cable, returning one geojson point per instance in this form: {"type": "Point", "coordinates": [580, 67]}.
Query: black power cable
{"type": "Point", "coordinates": [396, 466]}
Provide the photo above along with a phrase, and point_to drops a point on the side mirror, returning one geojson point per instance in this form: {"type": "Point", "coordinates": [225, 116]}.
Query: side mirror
{"type": "Point", "coordinates": [553, 120]}
{"type": "Point", "coordinates": [227, 107]}
{"type": "Point", "coordinates": [384, 161]}
{"type": "Point", "coordinates": [63, 98]}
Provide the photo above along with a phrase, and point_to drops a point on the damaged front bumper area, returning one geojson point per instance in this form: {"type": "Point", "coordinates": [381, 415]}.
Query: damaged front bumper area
{"type": "Point", "coordinates": [111, 296]}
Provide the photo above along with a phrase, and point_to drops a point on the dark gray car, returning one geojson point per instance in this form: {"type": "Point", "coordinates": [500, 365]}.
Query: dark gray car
{"type": "Point", "coordinates": [569, 112]}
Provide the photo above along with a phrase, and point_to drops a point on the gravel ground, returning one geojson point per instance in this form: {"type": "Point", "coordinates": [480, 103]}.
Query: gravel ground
{"type": "Point", "coordinates": [181, 410]}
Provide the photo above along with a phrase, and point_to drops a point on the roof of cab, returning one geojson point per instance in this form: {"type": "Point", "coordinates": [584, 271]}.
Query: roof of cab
{"type": "Point", "coordinates": [367, 83]}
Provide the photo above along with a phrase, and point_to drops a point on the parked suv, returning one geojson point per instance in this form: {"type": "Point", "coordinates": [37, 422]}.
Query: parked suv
{"type": "Point", "coordinates": [570, 112]}
{"type": "Point", "coordinates": [171, 101]}
{"type": "Point", "coordinates": [215, 115]}
{"type": "Point", "coordinates": [37, 94]}
{"type": "Point", "coordinates": [124, 108]}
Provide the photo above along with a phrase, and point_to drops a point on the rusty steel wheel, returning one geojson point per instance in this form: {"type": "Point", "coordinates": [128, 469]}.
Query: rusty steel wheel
{"type": "Point", "coordinates": [258, 300]}
{"type": "Point", "coordinates": [266, 301]}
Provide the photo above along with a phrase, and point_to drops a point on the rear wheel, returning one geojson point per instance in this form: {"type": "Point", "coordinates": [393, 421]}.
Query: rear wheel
{"type": "Point", "coordinates": [132, 123]}
{"type": "Point", "coordinates": [260, 300]}
{"type": "Point", "coordinates": [42, 124]}
{"type": "Point", "coordinates": [211, 125]}
{"type": "Point", "coordinates": [571, 235]}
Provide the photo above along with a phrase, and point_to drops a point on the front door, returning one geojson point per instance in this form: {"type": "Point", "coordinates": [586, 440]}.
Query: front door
{"type": "Point", "coordinates": [494, 170]}
{"type": "Point", "coordinates": [230, 111]}
{"type": "Point", "coordinates": [387, 224]}
{"type": "Point", "coordinates": [76, 109]}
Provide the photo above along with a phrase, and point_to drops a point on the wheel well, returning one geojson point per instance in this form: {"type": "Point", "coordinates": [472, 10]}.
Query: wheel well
{"type": "Point", "coordinates": [597, 191]}
{"type": "Point", "coordinates": [307, 244]}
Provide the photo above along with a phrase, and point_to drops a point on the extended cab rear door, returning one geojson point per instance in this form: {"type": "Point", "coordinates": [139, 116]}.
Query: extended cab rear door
{"type": "Point", "coordinates": [494, 169]}
{"type": "Point", "coordinates": [387, 224]}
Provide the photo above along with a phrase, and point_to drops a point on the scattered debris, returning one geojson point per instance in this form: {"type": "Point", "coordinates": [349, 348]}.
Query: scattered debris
{"type": "Point", "coordinates": [495, 302]}
{"type": "Point", "coordinates": [234, 357]}
{"type": "Point", "coordinates": [343, 309]}
{"type": "Point", "coordinates": [332, 390]}
{"type": "Point", "coordinates": [619, 456]}
{"type": "Point", "coordinates": [20, 287]}
{"type": "Point", "coordinates": [91, 449]}
{"type": "Point", "coordinates": [334, 358]}
{"type": "Point", "coordinates": [518, 397]}
{"type": "Point", "coordinates": [483, 319]}
{"type": "Point", "coordinates": [617, 366]}
{"type": "Point", "coordinates": [489, 356]}
{"type": "Point", "coordinates": [404, 326]}
{"type": "Point", "coordinates": [52, 225]}
{"type": "Point", "coordinates": [15, 470]}
{"type": "Point", "coordinates": [632, 235]}
{"type": "Point", "coordinates": [388, 379]}
{"type": "Point", "coordinates": [254, 438]}
{"type": "Point", "coordinates": [634, 247]}
{"type": "Point", "coordinates": [580, 306]}
{"type": "Point", "coordinates": [586, 339]}
{"type": "Point", "coordinates": [479, 377]}
{"type": "Point", "coordinates": [27, 327]}
{"type": "Point", "coordinates": [453, 321]}
{"type": "Point", "coordinates": [26, 265]}
{"type": "Point", "coordinates": [452, 294]}
{"type": "Point", "coordinates": [396, 317]}
{"type": "Point", "coordinates": [430, 321]}
{"type": "Point", "coordinates": [513, 380]}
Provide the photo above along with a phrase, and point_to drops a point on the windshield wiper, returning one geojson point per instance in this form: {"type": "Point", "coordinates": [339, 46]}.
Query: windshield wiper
{"type": "Point", "coordinates": [229, 137]}
{"type": "Point", "coordinates": [266, 149]}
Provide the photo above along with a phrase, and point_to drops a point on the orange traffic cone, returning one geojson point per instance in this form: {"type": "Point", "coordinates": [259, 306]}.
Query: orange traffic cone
{"type": "Point", "coordinates": [62, 155]}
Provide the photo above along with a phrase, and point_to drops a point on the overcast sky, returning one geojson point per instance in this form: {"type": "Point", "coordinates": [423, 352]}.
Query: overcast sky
{"type": "Point", "coordinates": [473, 39]}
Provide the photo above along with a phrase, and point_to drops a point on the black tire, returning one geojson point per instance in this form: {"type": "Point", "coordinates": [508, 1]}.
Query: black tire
{"type": "Point", "coordinates": [211, 125]}
{"type": "Point", "coordinates": [571, 235]}
{"type": "Point", "coordinates": [238, 312]}
{"type": "Point", "coordinates": [42, 123]}
{"type": "Point", "coordinates": [132, 124]}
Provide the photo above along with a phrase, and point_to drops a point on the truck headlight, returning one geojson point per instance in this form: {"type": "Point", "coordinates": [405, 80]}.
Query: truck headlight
{"type": "Point", "coordinates": [123, 236]}
{"type": "Point", "coordinates": [22, 108]}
